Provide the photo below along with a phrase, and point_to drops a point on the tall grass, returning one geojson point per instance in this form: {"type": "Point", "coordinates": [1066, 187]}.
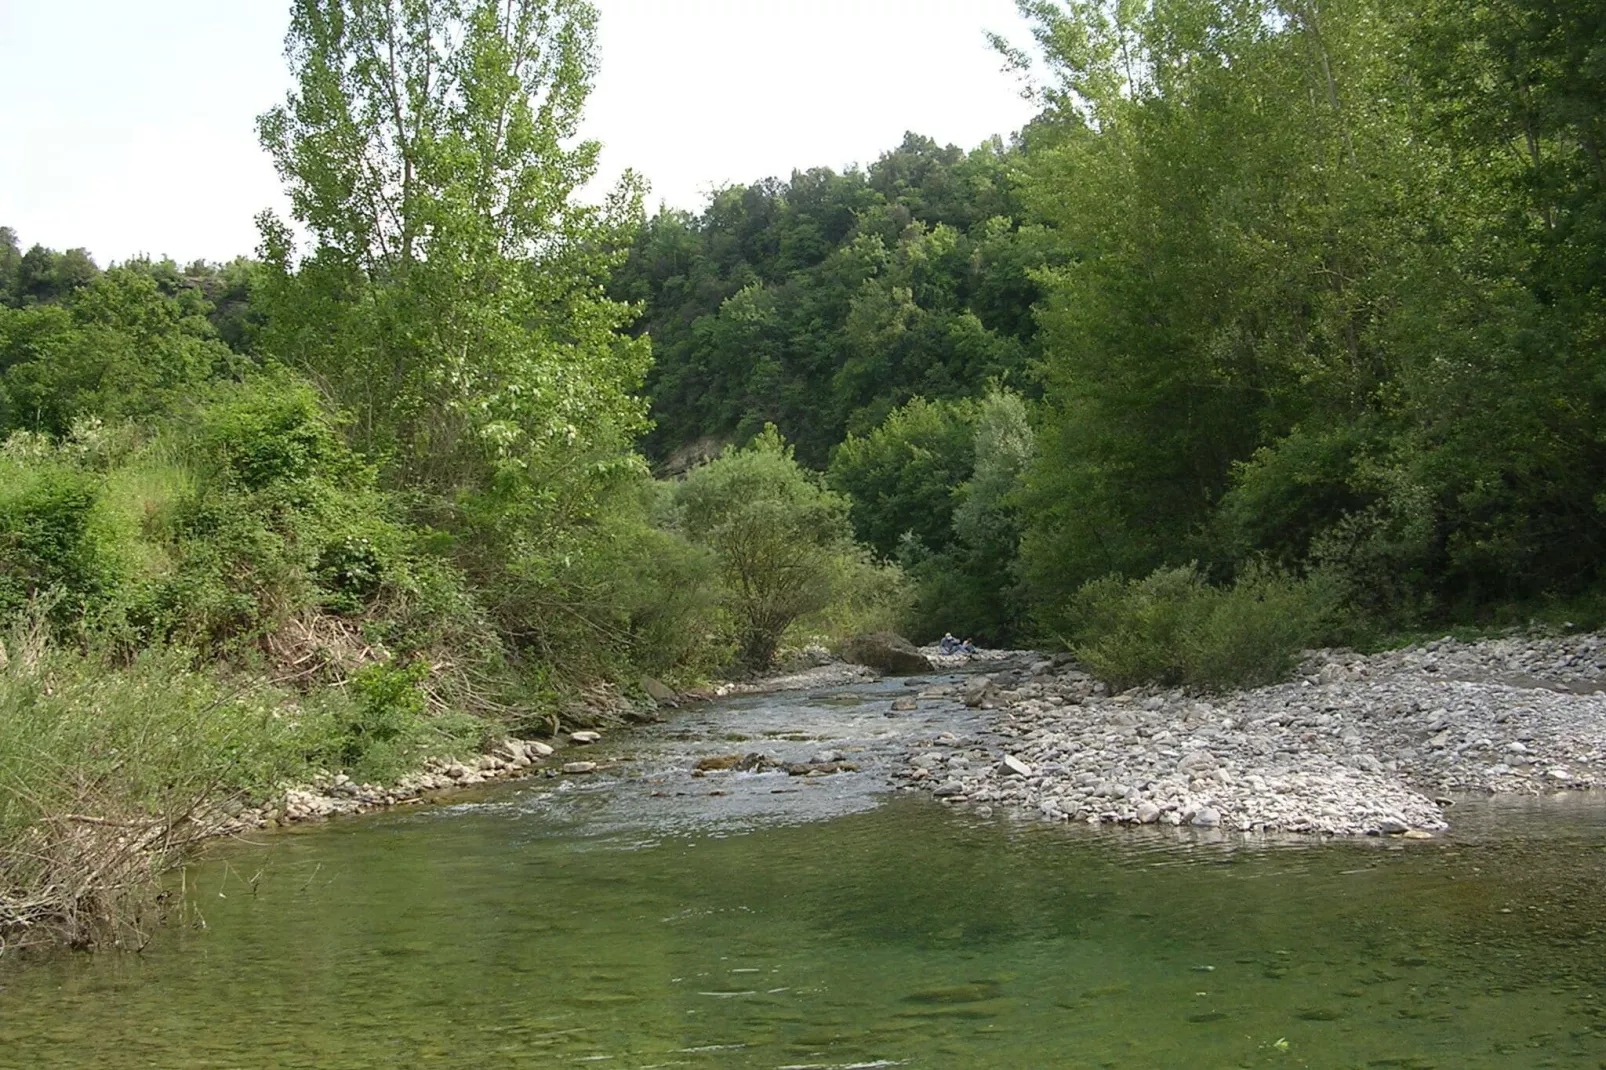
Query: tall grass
{"type": "Point", "coordinates": [111, 773]}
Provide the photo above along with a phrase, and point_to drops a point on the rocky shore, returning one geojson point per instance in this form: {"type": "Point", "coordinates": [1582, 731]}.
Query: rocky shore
{"type": "Point", "coordinates": [338, 795]}
{"type": "Point", "coordinates": [1353, 745]}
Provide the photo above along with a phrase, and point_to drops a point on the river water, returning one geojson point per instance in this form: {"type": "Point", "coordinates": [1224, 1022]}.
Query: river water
{"type": "Point", "coordinates": [646, 918]}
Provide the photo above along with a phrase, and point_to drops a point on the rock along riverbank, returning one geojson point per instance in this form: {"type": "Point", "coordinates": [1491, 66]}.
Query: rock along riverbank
{"type": "Point", "coordinates": [337, 795]}
{"type": "Point", "coordinates": [1353, 745]}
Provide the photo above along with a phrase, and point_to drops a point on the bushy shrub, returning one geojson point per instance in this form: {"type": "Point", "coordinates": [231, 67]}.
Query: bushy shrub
{"type": "Point", "coordinates": [778, 536]}
{"type": "Point", "coordinates": [1130, 631]}
{"type": "Point", "coordinates": [273, 433]}
{"type": "Point", "coordinates": [238, 528]}
{"type": "Point", "coordinates": [384, 726]}
{"type": "Point", "coordinates": [1172, 628]}
{"type": "Point", "coordinates": [677, 624]}
{"type": "Point", "coordinates": [285, 521]}
{"type": "Point", "coordinates": [1252, 632]}
{"type": "Point", "coordinates": [870, 596]}
{"type": "Point", "coordinates": [49, 544]}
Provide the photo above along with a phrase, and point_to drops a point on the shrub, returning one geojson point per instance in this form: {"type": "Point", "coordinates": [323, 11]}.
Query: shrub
{"type": "Point", "coordinates": [1172, 628]}
{"type": "Point", "coordinates": [385, 726]}
{"type": "Point", "coordinates": [869, 597]}
{"type": "Point", "coordinates": [284, 521]}
{"type": "Point", "coordinates": [273, 432]}
{"type": "Point", "coordinates": [48, 542]}
{"type": "Point", "coordinates": [671, 596]}
{"type": "Point", "coordinates": [1252, 632]}
{"type": "Point", "coordinates": [778, 536]}
{"type": "Point", "coordinates": [1130, 631]}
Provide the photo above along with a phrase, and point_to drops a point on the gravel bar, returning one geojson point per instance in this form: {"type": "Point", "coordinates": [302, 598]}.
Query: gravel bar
{"type": "Point", "coordinates": [1354, 745]}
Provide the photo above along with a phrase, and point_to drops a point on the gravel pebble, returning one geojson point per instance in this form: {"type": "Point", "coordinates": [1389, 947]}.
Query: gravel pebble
{"type": "Point", "coordinates": [1352, 745]}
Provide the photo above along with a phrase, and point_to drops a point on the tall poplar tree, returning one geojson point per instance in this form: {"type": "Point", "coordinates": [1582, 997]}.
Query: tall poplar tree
{"type": "Point", "coordinates": [452, 298]}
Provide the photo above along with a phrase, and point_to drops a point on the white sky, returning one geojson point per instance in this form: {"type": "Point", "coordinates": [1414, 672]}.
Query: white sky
{"type": "Point", "coordinates": [127, 125]}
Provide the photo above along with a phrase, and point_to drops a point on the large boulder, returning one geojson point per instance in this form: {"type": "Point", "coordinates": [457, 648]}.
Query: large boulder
{"type": "Point", "coordinates": [659, 692]}
{"type": "Point", "coordinates": [886, 653]}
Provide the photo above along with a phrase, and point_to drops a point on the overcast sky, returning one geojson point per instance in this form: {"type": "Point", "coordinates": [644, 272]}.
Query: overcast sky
{"type": "Point", "coordinates": [127, 125]}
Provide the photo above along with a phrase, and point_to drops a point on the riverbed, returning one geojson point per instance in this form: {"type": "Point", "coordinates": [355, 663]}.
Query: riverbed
{"type": "Point", "coordinates": [643, 916]}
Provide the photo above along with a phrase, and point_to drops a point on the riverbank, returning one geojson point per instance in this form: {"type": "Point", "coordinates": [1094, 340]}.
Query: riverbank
{"type": "Point", "coordinates": [113, 779]}
{"type": "Point", "coordinates": [338, 795]}
{"type": "Point", "coordinates": [1354, 745]}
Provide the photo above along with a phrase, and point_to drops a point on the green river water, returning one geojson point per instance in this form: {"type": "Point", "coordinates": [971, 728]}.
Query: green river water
{"type": "Point", "coordinates": [617, 923]}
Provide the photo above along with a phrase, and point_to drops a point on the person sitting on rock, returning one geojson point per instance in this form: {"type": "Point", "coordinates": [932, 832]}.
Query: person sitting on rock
{"type": "Point", "coordinates": [948, 644]}
{"type": "Point", "coordinates": [967, 647]}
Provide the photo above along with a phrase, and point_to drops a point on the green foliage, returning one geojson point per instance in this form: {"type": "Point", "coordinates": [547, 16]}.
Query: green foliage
{"type": "Point", "coordinates": [146, 735]}
{"type": "Point", "coordinates": [672, 609]}
{"type": "Point", "coordinates": [779, 537]}
{"type": "Point", "coordinates": [464, 327]}
{"type": "Point", "coordinates": [822, 303]}
{"type": "Point", "coordinates": [1359, 330]}
{"type": "Point", "coordinates": [382, 718]}
{"type": "Point", "coordinates": [868, 596]}
{"type": "Point", "coordinates": [41, 276]}
{"type": "Point", "coordinates": [275, 436]}
{"type": "Point", "coordinates": [463, 322]}
{"type": "Point", "coordinates": [1130, 631]}
{"type": "Point", "coordinates": [49, 546]}
{"type": "Point", "coordinates": [217, 531]}
{"type": "Point", "coordinates": [1172, 628]}
{"type": "Point", "coordinates": [157, 734]}
{"type": "Point", "coordinates": [114, 347]}
{"type": "Point", "coordinates": [901, 476]}
{"type": "Point", "coordinates": [283, 521]}
{"type": "Point", "coordinates": [935, 485]}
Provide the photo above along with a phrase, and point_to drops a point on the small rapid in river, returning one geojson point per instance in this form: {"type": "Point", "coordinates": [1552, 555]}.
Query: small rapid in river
{"type": "Point", "coordinates": [646, 916]}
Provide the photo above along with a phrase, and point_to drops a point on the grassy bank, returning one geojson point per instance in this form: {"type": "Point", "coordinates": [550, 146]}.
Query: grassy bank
{"type": "Point", "coordinates": [205, 609]}
{"type": "Point", "coordinates": [111, 774]}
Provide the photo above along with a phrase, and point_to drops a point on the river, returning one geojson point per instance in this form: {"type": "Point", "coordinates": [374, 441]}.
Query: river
{"type": "Point", "coordinates": [642, 917]}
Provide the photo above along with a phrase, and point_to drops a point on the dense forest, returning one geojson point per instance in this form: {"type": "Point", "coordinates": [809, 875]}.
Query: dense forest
{"type": "Point", "coordinates": [1281, 324]}
{"type": "Point", "coordinates": [1296, 290]}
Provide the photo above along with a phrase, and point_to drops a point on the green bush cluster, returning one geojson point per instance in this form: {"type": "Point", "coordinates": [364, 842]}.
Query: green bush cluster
{"type": "Point", "coordinates": [1173, 628]}
{"type": "Point", "coordinates": [782, 546]}
{"type": "Point", "coordinates": [212, 529]}
{"type": "Point", "coordinates": [48, 539]}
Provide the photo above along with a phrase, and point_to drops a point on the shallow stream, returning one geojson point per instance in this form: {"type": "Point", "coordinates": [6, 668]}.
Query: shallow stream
{"type": "Point", "coordinates": [643, 917]}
